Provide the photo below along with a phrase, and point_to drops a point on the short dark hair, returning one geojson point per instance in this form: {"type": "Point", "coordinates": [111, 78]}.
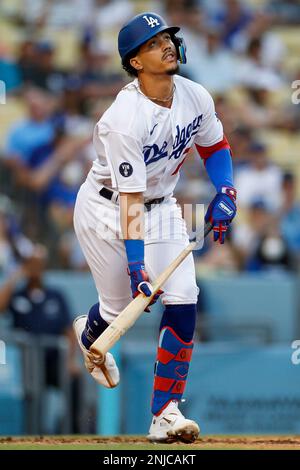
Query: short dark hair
{"type": "Point", "coordinates": [132, 72]}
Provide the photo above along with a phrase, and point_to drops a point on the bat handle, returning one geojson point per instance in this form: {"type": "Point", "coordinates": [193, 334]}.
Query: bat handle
{"type": "Point", "coordinates": [98, 357]}
{"type": "Point", "coordinates": [207, 228]}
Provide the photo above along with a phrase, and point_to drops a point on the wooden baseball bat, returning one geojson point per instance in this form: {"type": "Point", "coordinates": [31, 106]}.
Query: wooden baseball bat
{"type": "Point", "coordinates": [134, 310]}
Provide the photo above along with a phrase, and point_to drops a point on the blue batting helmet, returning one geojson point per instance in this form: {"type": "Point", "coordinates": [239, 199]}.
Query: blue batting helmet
{"type": "Point", "coordinates": [143, 27]}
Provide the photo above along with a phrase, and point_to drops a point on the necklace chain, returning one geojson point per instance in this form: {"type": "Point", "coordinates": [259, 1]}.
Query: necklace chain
{"type": "Point", "coordinates": [165, 100]}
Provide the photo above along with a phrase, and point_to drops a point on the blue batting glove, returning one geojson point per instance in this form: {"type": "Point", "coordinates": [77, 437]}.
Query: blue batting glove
{"type": "Point", "coordinates": [221, 211]}
{"type": "Point", "coordinates": [140, 283]}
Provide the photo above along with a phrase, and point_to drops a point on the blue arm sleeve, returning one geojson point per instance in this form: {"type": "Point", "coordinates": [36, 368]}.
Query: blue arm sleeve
{"type": "Point", "coordinates": [135, 250]}
{"type": "Point", "coordinates": [219, 169]}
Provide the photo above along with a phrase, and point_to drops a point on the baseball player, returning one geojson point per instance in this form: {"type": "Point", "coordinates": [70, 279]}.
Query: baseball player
{"type": "Point", "coordinates": [127, 220]}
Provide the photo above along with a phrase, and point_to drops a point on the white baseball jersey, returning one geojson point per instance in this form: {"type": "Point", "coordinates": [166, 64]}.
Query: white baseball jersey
{"type": "Point", "coordinates": [141, 145]}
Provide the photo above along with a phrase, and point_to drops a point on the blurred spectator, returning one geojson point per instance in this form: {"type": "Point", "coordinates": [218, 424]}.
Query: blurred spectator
{"type": "Point", "coordinates": [214, 66]}
{"type": "Point", "coordinates": [35, 65]}
{"type": "Point", "coordinates": [45, 71]}
{"type": "Point", "coordinates": [46, 161]}
{"type": "Point", "coordinates": [44, 74]}
{"type": "Point", "coordinates": [36, 130]}
{"type": "Point", "coordinates": [240, 142]}
{"type": "Point", "coordinates": [211, 7]}
{"type": "Point", "coordinates": [272, 50]}
{"type": "Point", "coordinates": [27, 60]}
{"type": "Point", "coordinates": [289, 214]}
{"type": "Point", "coordinates": [253, 71]}
{"type": "Point", "coordinates": [41, 310]}
{"type": "Point", "coordinates": [233, 17]}
{"type": "Point", "coordinates": [261, 111]}
{"type": "Point", "coordinates": [71, 113]}
{"type": "Point", "coordinates": [260, 180]}
{"type": "Point", "coordinates": [251, 228]}
{"type": "Point", "coordinates": [14, 246]}
{"type": "Point", "coordinates": [272, 253]}
{"type": "Point", "coordinates": [259, 241]}
{"type": "Point", "coordinates": [53, 174]}
{"type": "Point", "coordinates": [47, 172]}
{"type": "Point", "coordinates": [227, 113]}
{"type": "Point", "coordinates": [188, 15]}
{"type": "Point", "coordinates": [98, 80]}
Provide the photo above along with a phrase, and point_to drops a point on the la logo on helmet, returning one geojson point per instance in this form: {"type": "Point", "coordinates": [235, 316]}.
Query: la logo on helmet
{"type": "Point", "coordinates": [151, 21]}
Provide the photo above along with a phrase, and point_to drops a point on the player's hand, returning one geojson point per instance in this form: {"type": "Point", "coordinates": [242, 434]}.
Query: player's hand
{"type": "Point", "coordinates": [140, 283]}
{"type": "Point", "coordinates": [221, 211]}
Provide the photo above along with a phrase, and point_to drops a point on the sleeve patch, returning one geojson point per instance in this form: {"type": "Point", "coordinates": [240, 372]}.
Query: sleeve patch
{"type": "Point", "coordinates": [125, 169]}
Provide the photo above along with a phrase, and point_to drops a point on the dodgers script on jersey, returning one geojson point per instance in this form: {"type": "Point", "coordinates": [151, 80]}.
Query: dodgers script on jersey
{"type": "Point", "coordinates": [141, 145]}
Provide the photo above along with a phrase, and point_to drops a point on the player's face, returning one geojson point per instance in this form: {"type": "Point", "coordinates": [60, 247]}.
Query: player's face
{"type": "Point", "coordinates": [158, 55]}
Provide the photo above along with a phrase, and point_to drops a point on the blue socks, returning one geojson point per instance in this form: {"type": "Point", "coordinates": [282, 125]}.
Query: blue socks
{"type": "Point", "coordinates": [95, 325]}
{"type": "Point", "coordinates": [182, 320]}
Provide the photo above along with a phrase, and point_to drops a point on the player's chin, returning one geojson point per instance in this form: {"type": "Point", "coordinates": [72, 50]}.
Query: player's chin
{"type": "Point", "coordinates": [172, 69]}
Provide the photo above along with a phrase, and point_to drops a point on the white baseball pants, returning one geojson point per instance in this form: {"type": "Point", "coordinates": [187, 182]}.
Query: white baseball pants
{"type": "Point", "coordinates": [97, 226]}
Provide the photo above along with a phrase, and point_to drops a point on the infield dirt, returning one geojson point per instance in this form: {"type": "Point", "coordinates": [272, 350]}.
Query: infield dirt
{"type": "Point", "coordinates": [140, 442]}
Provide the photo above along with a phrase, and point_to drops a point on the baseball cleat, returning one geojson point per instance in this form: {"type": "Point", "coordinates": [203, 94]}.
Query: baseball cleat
{"type": "Point", "coordinates": [107, 373]}
{"type": "Point", "coordinates": [171, 426]}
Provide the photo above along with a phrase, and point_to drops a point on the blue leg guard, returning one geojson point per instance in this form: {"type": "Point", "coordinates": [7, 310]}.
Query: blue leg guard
{"type": "Point", "coordinates": [95, 325]}
{"type": "Point", "coordinates": [171, 370]}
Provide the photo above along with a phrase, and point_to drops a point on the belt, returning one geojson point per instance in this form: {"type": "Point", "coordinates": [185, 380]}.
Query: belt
{"type": "Point", "coordinates": [113, 195]}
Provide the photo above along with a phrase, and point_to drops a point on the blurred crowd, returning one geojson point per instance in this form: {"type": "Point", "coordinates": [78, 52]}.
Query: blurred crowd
{"type": "Point", "coordinates": [60, 66]}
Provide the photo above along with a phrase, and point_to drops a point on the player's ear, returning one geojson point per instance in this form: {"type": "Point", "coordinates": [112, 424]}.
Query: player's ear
{"type": "Point", "coordinates": [136, 63]}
